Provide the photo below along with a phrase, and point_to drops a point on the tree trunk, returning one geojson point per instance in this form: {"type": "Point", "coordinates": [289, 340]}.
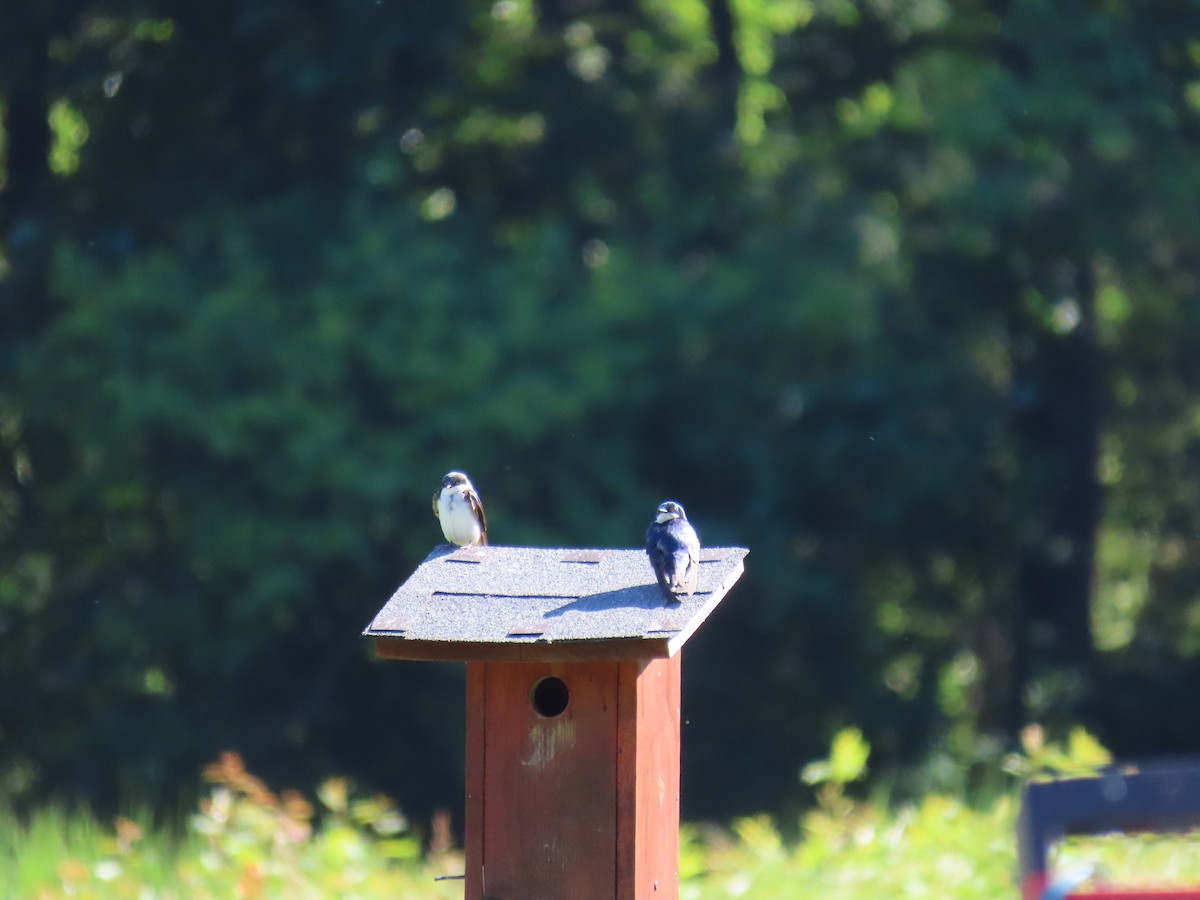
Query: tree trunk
{"type": "Point", "coordinates": [24, 225]}
{"type": "Point", "coordinates": [726, 71]}
{"type": "Point", "coordinates": [1057, 576]}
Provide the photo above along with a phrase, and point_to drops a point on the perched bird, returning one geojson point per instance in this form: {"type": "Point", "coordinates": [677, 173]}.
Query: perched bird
{"type": "Point", "coordinates": [674, 550]}
{"type": "Point", "coordinates": [459, 509]}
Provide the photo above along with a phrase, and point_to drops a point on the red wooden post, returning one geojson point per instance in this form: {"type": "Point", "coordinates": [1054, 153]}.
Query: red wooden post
{"type": "Point", "coordinates": [573, 706]}
{"type": "Point", "coordinates": [648, 780]}
{"type": "Point", "coordinates": [548, 813]}
{"type": "Point", "coordinates": [548, 806]}
{"type": "Point", "coordinates": [473, 811]}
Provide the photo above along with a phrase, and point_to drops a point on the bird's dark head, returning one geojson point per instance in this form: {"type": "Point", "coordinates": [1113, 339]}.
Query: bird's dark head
{"type": "Point", "coordinates": [453, 479]}
{"type": "Point", "coordinates": [668, 510]}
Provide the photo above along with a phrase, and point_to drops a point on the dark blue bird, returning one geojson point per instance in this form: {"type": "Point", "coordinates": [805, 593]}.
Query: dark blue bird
{"type": "Point", "coordinates": [674, 551]}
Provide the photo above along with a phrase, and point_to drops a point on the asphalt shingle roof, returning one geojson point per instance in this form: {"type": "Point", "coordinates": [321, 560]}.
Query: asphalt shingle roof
{"type": "Point", "coordinates": [536, 603]}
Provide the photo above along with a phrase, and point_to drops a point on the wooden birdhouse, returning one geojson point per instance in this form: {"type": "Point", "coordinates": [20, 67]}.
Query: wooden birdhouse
{"type": "Point", "coordinates": [572, 710]}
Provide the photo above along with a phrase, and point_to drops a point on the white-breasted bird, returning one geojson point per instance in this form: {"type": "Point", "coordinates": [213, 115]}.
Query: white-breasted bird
{"type": "Point", "coordinates": [674, 551]}
{"type": "Point", "coordinates": [459, 509]}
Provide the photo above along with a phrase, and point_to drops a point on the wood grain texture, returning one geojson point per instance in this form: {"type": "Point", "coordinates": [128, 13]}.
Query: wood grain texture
{"type": "Point", "coordinates": [579, 806]}
{"type": "Point", "coordinates": [648, 780]}
{"type": "Point", "coordinates": [387, 647]}
{"type": "Point", "coordinates": [549, 817]}
{"type": "Point", "coordinates": [476, 754]}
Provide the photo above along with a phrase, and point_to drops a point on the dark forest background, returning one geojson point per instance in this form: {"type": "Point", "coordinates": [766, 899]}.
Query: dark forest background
{"type": "Point", "coordinates": [904, 295]}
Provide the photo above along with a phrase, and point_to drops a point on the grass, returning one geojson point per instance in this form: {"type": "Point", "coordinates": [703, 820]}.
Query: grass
{"type": "Point", "coordinates": [1159, 860]}
{"type": "Point", "coordinates": [239, 847]}
{"type": "Point", "coordinates": [937, 848]}
{"type": "Point", "coordinates": [244, 842]}
{"type": "Point", "coordinates": [248, 842]}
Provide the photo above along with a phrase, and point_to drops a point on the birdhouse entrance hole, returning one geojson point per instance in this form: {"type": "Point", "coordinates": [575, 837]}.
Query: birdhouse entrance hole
{"type": "Point", "coordinates": [550, 696]}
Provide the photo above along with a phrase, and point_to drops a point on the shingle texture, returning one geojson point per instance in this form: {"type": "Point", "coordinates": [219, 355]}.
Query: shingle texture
{"type": "Point", "coordinates": [525, 595]}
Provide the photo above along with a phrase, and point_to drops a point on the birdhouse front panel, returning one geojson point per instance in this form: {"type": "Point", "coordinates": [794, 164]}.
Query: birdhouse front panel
{"type": "Point", "coordinates": [573, 780]}
{"type": "Point", "coordinates": [549, 820]}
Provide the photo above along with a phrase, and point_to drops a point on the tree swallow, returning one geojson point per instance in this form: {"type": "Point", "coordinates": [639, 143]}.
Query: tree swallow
{"type": "Point", "coordinates": [674, 551]}
{"type": "Point", "coordinates": [459, 509]}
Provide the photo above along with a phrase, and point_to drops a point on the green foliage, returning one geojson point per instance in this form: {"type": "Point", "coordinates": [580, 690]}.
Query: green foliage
{"type": "Point", "coordinates": [899, 295]}
{"type": "Point", "coordinates": [70, 134]}
{"type": "Point", "coordinates": [846, 763]}
{"type": "Point", "coordinates": [847, 760]}
{"type": "Point", "coordinates": [1081, 755]}
{"type": "Point", "coordinates": [245, 841]}
{"type": "Point", "coordinates": [923, 849]}
{"type": "Point", "coordinates": [1162, 860]}
{"type": "Point", "coordinates": [935, 848]}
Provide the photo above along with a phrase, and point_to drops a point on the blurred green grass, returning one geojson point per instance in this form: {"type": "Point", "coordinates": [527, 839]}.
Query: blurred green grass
{"type": "Point", "coordinates": [246, 841]}
{"type": "Point", "coordinates": [247, 849]}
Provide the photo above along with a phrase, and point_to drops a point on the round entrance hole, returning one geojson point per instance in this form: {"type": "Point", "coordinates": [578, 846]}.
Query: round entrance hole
{"type": "Point", "coordinates": [550, 696]}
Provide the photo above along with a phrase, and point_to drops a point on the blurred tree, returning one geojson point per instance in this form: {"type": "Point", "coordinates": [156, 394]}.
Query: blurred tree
{"type": "Point", "coordinates": [897, 294]}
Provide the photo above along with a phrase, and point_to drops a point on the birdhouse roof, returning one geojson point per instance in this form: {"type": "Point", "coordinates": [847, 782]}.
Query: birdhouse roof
{"type": "Point", "coordinates": [526, 603]}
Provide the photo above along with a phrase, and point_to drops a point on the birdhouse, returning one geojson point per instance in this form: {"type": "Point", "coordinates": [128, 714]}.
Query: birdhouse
{"type": "Point", "coordinates": [573, 695]}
